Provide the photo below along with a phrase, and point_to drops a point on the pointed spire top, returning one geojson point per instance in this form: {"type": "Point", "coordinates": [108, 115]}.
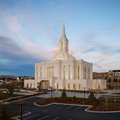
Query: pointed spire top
{"type": "Point", "coordinates": [63, 28]}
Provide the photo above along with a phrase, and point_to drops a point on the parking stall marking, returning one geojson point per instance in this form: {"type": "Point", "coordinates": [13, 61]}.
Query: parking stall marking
{"type": "Point", "coordinates": [69, 107]}
{"type": "Point", "coordinates": [56, 118]}
{"type": "Point", "coordinates": [43, 117]}
{"type": "Point", "coordinates": [61, 106]}
{"type": "Point", "coordinates": [53, 106]}
{"type": "Point", "coordinates": [32, 117]}
{"type": "Point", "coordinates": [78, 108]}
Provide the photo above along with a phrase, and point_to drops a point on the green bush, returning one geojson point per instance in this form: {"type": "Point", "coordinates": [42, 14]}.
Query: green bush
{"type": "Point", "coordinates": [74, 98]}
{"type": "Point", "coordinates": [4, 114]}
{"type": "Point", "coordinates": [63, 96]}
{"type": "Point", "coordinates": [39, 86]}
{"type": "Point", "coordinates": [92, 98]}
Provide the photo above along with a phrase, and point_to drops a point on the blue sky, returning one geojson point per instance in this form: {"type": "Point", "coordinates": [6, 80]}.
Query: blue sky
{"type": "Point", "coordinates": [30, 31]}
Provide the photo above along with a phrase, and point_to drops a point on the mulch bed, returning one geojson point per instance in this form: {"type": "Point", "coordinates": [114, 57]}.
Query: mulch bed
{"type": "Point", "coordinates": [95, 106]}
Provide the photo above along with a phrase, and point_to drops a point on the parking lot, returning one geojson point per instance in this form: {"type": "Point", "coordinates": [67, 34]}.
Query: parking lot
{"type": "Point", "coordinates": [56, 112]}
{"type": "Point", "coordinates": [59, 112]}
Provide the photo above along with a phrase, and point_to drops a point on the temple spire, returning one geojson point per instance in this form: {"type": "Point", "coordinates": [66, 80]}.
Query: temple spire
{"type": "Point", "coordinates": [63, 28]}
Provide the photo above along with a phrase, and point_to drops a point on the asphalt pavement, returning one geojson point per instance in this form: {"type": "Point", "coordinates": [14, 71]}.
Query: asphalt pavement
{"type": "Point", "coordinates": [59, 112]}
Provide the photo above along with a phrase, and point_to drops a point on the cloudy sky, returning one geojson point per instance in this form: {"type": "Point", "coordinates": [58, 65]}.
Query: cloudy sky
{"type": "Point", "coordinates": [30, 31]}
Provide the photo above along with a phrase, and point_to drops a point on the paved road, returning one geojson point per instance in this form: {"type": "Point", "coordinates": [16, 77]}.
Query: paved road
{"type": "Point", "coordinates": [59, 112]}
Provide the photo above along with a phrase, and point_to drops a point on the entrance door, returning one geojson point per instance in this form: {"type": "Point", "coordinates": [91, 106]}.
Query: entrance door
{"type": "Point", "coordinates": [45, 84]}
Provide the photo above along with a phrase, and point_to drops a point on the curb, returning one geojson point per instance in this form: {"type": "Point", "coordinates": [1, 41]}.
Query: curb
{"type": "Point", "coordinates": [19, 100]}
{"type": "Point", "coordinates": [86, 110]}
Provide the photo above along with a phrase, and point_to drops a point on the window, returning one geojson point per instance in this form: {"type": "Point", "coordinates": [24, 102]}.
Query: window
{"type": "Point", "coordinates": [88, 73]}
{"type": "Point", "coordinates": [84, 70]}
{"type": "Point", "coordinates": [73, 85]}
{"type": "Point", "coordinates": [41, 72]}
{"type": "Point", "coordinates": [36, 73]}
{"type": "Point", "coordinates": [64, 72]}
{"type": "Point", "coordinates": [68, 85]}
{"type": "Point", "coordinates": [69, 71]}
{"type": "Point", "coordinates": [78, 71]}
{"type": "Point", "coordinates": [57, 85]}
{"type": "Point", "coordinates": [79, 85]}
{"type": "Point", "coordinates": [74, 72]}
{"type": "Point", "coordinates": [62, 46]}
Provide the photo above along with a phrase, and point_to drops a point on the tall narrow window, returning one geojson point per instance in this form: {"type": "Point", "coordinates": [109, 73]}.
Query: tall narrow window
{"type": "Point", "coordinates": [57, 85]}
{"type": "Point", "coordinates": [74, 86]}
{"type": "Point", "coordinates": [84, 72]}
{"type": "Point", "coordinates": [53, 71]}
{"type": "Point", "coordinates": [78, 71]}
{"type": "Point", "coordinates": [41, 72]}
{"type": "Point", "coordinates": [74, 71]}
{"type": "Point", "coordinates": [79, 85]}
{"type": "Point", "coordinates": [68, 85]}
{"type": "Point", "coordinates": [62, 46]}
{"type": "Point", "coordinates": [36, 73]}
{"type": "Point", "coordinates": [69, 71]}
{"type": "Point", "coordinates": [88, 73]}
{"type": "Point", "coordinates": [64, 72]}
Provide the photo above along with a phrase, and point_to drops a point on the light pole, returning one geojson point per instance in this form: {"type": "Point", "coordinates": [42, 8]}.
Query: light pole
{"type": "Point", "coordinates": [84, 93]}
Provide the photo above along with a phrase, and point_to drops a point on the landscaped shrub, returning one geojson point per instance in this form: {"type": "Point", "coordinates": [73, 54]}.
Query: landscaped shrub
{"type": "Point", "coordinates": [74, 98]}
{"type": "Point", "coordinates": [92, 98]}
{"type": "Point", "coordinates": [4, 114]}
{"type": "Point", "coordinates": [63, 96]}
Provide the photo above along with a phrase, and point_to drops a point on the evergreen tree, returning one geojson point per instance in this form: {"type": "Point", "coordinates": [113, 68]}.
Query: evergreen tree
{"type": "Point", "coordinates": [63, 96]}
{"type": "Point", "coordinates": [74, 98]}
{"type": "Point", "coordinates": [39, 86]}
{"type": "Point", "coordinates": [92, 98]}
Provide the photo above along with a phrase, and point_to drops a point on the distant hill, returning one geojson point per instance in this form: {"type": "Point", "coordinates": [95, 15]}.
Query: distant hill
{"type": "Point", "coordinates": [7, 77]}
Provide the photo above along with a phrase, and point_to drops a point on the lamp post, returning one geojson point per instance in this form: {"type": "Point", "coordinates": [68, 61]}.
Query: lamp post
{"type": "Point", "coordinates": [20, 105]}
{"type": "Point", "coordinates": [84, 93]}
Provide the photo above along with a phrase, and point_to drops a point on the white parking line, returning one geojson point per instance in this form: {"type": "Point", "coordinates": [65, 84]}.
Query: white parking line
{"type": "Point", "coordinates": [68, 107]}
{"type": "Point", "coordinates": [78, 108]}
{"type": "Point", "coordinates": [43, 117]}
{"type": "Point", "coordinates": [32, 117]}
{"type": "Point", "coordinates": [56, 118]}
{"type": "Point", "coordinates": [61, 106]}
{"type": "Point", "coordinates": [53, 106]}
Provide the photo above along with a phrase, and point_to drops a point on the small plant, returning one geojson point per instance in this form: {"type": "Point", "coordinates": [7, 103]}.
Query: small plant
{"type": "Point", "coordinates": [63, 96]}
{"type": "Point", "coordinates": [4, 114]}
{"type": "Point", "coordinates": [10, 89]}
{"type": "Point", "coordinates": [74, 98]}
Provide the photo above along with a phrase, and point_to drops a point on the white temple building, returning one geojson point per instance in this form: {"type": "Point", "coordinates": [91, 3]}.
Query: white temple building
{"type": "Point", "coordinates": [65, 72]}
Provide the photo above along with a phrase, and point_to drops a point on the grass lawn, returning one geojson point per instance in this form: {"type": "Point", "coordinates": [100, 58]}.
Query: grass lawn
{"type": "Point", "coordinates": [82, 99]}
{"type": "Point", "coordinates": [6, 95]}
{"type": "Point", "coordinates": [109, 96]}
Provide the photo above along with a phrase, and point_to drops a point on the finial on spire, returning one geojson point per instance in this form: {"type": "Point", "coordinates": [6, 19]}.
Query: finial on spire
{"type": "Point", "coordinates": [63, 28]}
{"type": "Point", "coordinates": [63, 23]}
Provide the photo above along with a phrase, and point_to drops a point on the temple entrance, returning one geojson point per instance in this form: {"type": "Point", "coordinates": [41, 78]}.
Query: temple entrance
{"type": "Point", "coordinates": [45, 84]}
